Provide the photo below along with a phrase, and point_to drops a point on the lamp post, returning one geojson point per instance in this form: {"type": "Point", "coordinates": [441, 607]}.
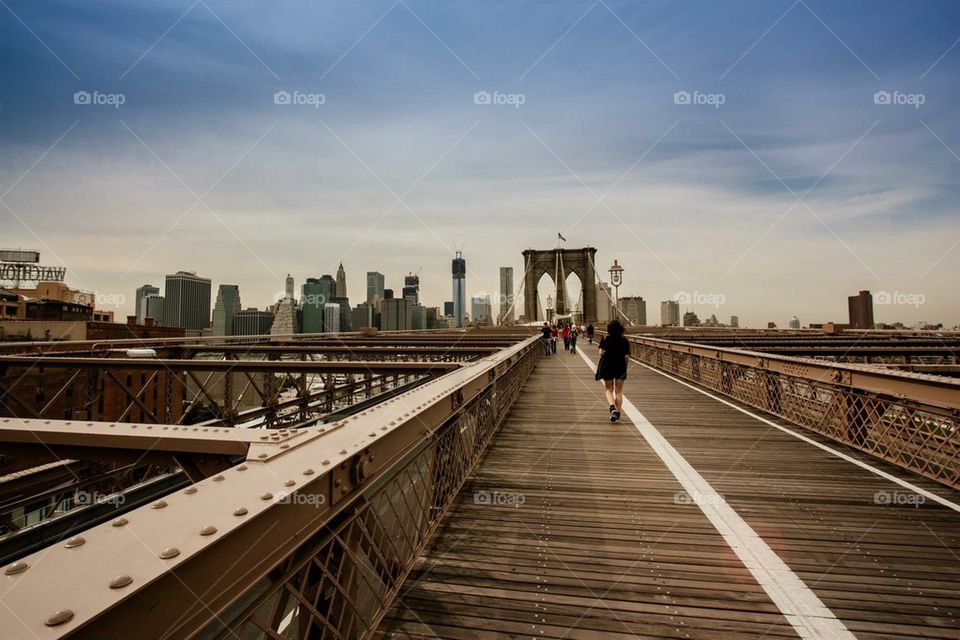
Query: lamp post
{"type": "Point", "coordinates": [616, 279]}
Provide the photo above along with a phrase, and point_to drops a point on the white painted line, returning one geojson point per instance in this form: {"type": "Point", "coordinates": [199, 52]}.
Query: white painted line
{"type": "Point", "coordinates": [800, 606]}
{"type": "Point", "coordinates": [863, 465]}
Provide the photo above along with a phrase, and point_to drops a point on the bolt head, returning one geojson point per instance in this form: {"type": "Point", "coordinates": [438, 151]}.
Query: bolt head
{"type": "Point", "coordinates": [208, 530]}
{"type": "Point", "coordinates": [159, 504]}
{"type": "Point", "coordinates": [60, 617]}
{"type": "Point", "coordinates": [169, 552]}
{"type": "Point", "coordinates": [120, 582]}
{"type": "Point", "coordinates": [17, 567]}
{"type": "Point", "coordinates": [120, 522]}
{"type": "Point", "coordinates": [74, 542]}
{"type": "Point", "coordinates": [240, 511]}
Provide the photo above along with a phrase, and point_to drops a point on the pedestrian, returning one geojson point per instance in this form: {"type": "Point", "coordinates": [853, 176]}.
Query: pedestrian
{"type": "Point", "coordinates": [554, 332]}
{"type": "Point", "coordinates": [566, 336]}
{"type": "Point", "coordinates": [590, 332]}
{"type": "Point", "coordinates": [574, 332]}
{"type": "Point", "coordinates": [545, 338]}
{"type": "Point", "coordinates": [612, 368]}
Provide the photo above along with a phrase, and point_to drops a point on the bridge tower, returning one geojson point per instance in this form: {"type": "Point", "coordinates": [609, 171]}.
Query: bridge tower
{"type": "Point", "coordinates": [560, 263]}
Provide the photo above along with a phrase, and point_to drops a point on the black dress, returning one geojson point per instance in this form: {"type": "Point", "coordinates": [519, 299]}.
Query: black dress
{"type": "Point", "coordinates": [613, 363]}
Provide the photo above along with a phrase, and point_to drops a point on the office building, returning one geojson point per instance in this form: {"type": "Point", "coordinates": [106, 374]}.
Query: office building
{"type": "Point", "coordinates": [388, 294]}
{"type": "Point", "coordinates": [396, 314]}
{"type": "Point", "coordinates": [331, 317]}
{"type": "Point", "coordinates": [418, 317]}
{"type": "Point", "coordinates": [506, 312]}
{"type": "Point", "coordinates": [186, 302]}
{"type": "Point", "coordinates": [633, 310]}
{"type": "Point", "coordinates": [459, 270]}
{"type": "Point", "coordinates": [151, 306]}
{"type": "Point", "coordinates": [252, 322]}
{"type": "Point", "coordinates": [861, 310]}
{"type": "Point", "coordinates": [670, 313]}
{"type": "Point", "coordinates": [690, 319]}
{"type": "Point", "coordinates": [286, 315]}
{"type": "Point", "coordinates": [374, 286]}
{"type": "Point", "coordinates": [226, 307]}
{"type": "Point", "coordinates": [143, 292]}
{"type": "Point", "coordinates": [448, 309]}
{"type": "Point", "coordinates": [316, 294]}
{"type": "Point", "coordinates": [604, 303]}
{"type": "Point", "coordinates": [341, 282]}
{"type": "Point", "coordinates": [363, 316]}
{"type": "Point", "coordinates": [411, 288]}
{"type": "Point", "coordinates": [794, 323]}
{"type": "Point", "coordinates": [735, 321]}
{"type": "Point", "coordinates": [433, 313]}
{"type": "Point", "coordinates": [480, 310]}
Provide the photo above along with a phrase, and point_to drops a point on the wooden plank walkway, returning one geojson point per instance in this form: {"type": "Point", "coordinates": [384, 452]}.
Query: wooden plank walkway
{"type": "Point", "coordinates": [573, 527]}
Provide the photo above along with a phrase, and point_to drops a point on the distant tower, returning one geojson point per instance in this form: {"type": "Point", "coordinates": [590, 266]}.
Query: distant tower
{"type": "Point", "coordinates": [288, 291]}
{"type": "Point", "coordinates": [506, 295]}
{"type": "Point", "coordinates": [411, 288]}
{"type": "Point", "coordinates": [861, 310]}
{"type": "Point", "coordinates": [225, 309]}
{"type": "Point", "coordinates": [341, 282]}
{"type": "Point", "coordinates": [459, 288]}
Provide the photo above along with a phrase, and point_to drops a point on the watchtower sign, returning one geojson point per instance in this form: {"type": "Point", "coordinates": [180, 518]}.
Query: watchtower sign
{"type": "Point", "coordinates": [19, 266]}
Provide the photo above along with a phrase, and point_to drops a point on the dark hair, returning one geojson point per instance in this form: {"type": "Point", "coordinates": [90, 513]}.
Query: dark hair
{"type": "Point", "coordinates": [614, 328]}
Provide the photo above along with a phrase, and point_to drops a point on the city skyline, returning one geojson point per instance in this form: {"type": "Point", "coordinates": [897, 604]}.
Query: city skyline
{"type": "Point", "coordinates": [805, 183]}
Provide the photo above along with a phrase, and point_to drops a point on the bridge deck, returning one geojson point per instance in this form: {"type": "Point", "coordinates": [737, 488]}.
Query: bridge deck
{"type": "Point", "coordinates": [574, 527]}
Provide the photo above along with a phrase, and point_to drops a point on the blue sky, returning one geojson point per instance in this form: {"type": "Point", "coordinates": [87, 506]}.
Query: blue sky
{"type": "Point", "coordinates": [795, 192]}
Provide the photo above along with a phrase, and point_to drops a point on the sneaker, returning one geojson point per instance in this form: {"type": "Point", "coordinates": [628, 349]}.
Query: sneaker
{"type": "Point", "coordinates": [615, 416]}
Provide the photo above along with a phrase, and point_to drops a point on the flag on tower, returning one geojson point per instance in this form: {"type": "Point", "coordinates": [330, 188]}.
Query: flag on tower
{"type": "Point", "coordinates": [560, 237]}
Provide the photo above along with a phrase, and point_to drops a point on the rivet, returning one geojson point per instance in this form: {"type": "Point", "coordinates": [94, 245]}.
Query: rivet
{"type": "Point", "coordinates": [208, 530]}
{"type": "Point", "coordinates": [284, 446]}
{"type": "Point", "coordinates": [75, 541]}
{"type": "Point", "coordinates": [264, 437]}
{"type": "Point", "coordinates": [169, 552]}
{"type": "Point", "coordinates": [326, 462]}
{"type": "Point", "coordinates": [266, 496]}
{"type": "Point", "coordinates": [343, 451]}
{"type": "Point", "coordinates": [383, 428]}
{"type": "Point", "coordinates": [119, 522]}
{"type": "Point", "coordinates": [218, 478]}
{"type": "Point", "coordinates": [336, 482]}
{"type": "Point", "coordinates": [60, 617]}
{"type": "Point", "coordinates": [120, 582]}
{"type": "Point", "coordinates": [373, 434]}
{"type": "Point", "coordinates": [240, 511]}
{"type": "Point", "coordinates": [17, 567]}
{"type": "Point", "coordinates": [289, 483]}
{"type": "Point", "coordinates": [159, 504]}
{"type": "Point", "coordinates": [261, 455]}
{"type": "Point", "coordinates": [190, 490]}
{"type": "Point", "coordinates": [242, 467]}
{"type": "Point", "coordinates": [308, 472]}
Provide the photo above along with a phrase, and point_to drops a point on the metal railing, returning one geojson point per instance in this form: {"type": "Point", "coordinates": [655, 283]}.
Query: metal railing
{"type": "Point", "coordinates": [310, 537]}
{"type": "Point", "coordinates": [911, 420]}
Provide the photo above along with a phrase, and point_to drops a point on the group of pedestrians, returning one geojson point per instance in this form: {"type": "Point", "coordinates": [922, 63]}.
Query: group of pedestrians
{"type": "Point", "coordinates": [614, 356]}
{"type": "Point", "coordinates": [567, 332]}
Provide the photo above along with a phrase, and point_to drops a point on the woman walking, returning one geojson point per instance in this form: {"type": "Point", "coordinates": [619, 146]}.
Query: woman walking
{"type": "Point", "coordinates": [574, 332]}
{"type": "Point", "coordinates": [612, 368]}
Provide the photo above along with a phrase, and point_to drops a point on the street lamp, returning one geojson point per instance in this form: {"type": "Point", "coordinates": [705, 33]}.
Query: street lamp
{"type": "Point", "coordinates": [616, 279]}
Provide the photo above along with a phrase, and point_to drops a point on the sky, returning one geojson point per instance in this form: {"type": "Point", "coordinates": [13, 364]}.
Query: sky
{"type": "Point", "coordinates": [757, 158]}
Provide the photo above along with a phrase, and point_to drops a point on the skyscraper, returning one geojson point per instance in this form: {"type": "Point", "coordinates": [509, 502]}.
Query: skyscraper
{"type": "Point", "coordinates": [143, 292]}
{"type": "Point", "coordinates": [331, 320]}
{"type": "Point", "coordinates": [734, 321]}
{"type": "Point", "coordinates": [507, 314]}
{"type": "Point", "coordinates": [448, 308]}
{"type": "Point", "coordinates": [374, 286]}
{"type": "Point", "coordinates": [794, 323]}
{"type": "Point", "coordinates": [317, 294]}
{"type": "Point", "coordinates": [252, 322]}
{"type": "Point", "coordinates": [396, 315]}
{"type": "Point", "coordinates": [670, 313]}
{"type": "Point", "coordinates": [411, 288]}
{"type": "Point", "coordinates": [459, 268]}
{"type": "Point", "coordinates": [861, 310]}
{"type": "Point", "coordinates": [152, 307]}
{"type": "Point", "coordinates": [480, 309]}
{"type": "Point", "coordinates": [186, 301]}
{"type": "Point", "coordinates": [633, 309]}
{"type": "Point", "coordinates": [341, 282]}
{"type": "Point", "coordinates": [286, 318]}
{"type": "Point", "coordinates": [226, 307]}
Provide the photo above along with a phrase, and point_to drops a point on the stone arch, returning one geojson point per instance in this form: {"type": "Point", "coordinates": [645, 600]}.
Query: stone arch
{"type": "Point", "coordinates": [579, 261]}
